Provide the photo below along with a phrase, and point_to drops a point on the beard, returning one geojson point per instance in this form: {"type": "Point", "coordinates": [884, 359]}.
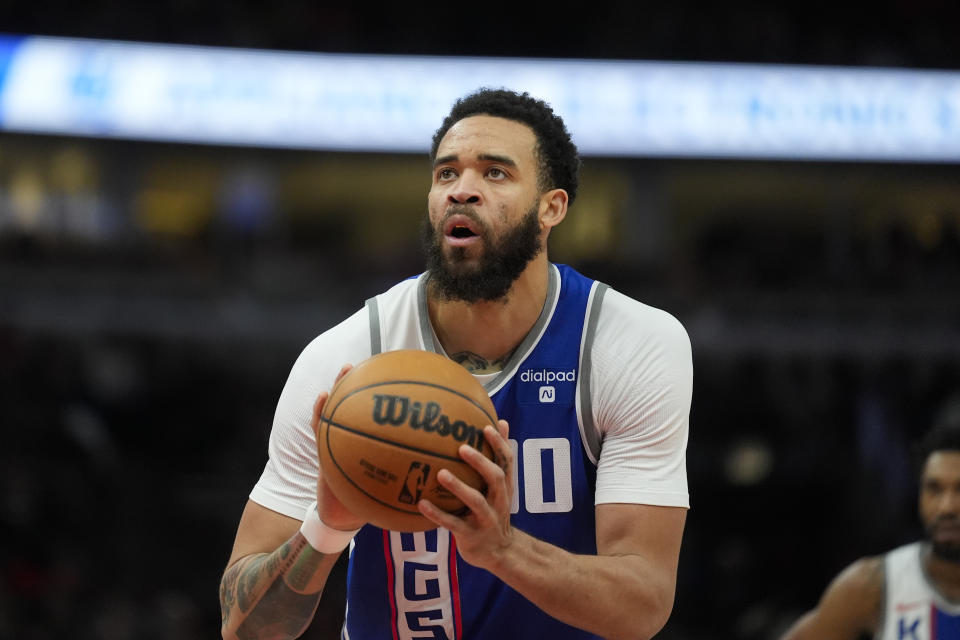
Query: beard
{"type": "Point", "coordinates": [452, 277]}
{"type": "Point", "coordinates": [949, 551]}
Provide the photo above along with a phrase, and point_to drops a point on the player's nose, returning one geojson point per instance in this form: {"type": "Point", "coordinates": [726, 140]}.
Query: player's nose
{"type": "Point", "coordinates": [949, 502]}
{"type": "Point", "coordinates": [466, 190]}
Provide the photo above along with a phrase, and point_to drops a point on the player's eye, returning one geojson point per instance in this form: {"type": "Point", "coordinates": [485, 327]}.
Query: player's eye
{"type": "Point", "coordinates": [446, 174]}
{"type": "Point", "coordinates": [496, 173]}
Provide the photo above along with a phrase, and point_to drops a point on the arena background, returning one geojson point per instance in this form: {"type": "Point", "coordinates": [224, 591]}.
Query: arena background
{"type": "Point", "coordinates": [141, 358]}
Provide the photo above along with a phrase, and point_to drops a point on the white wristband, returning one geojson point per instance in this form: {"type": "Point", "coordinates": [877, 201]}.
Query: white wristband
{"type": "Point", "coordinates": [321, 537]}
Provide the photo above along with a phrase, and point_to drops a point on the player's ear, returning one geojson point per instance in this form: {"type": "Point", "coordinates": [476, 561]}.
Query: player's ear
{"type": "Point", "coordinates": [553, 208]}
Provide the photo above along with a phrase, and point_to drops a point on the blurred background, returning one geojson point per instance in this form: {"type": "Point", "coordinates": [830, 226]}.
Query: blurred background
{"type": "Point", "coordinates": [154, 294]}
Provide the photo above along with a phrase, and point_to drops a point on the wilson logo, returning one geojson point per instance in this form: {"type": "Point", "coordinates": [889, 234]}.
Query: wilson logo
{"type": "Point", "coordinates": [399, 410]}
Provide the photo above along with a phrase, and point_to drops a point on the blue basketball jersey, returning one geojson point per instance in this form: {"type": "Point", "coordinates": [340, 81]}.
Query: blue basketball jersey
{"type": "Point", "coordinates": [414, 585]}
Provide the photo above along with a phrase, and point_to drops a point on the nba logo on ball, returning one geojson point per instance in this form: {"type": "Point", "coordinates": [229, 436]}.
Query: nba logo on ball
{"type": "Point", "coordinates": [412, 487]}
{"type": "Point", "coordinates": [547, 394]}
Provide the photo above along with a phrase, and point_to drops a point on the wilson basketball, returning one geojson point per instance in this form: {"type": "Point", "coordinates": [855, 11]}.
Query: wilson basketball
{"type": "Point", "coordinates": [391, 424]}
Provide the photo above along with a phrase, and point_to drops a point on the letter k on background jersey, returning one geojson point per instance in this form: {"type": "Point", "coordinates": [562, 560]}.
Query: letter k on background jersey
{"type": "Point", "coordinates": [914, 610]}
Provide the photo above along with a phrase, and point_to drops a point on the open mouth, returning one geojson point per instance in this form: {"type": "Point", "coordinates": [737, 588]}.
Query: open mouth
{"type": "Point", "coordinates": [461, 231]}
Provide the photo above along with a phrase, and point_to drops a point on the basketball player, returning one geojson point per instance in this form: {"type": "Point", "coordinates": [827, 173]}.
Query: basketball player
{"type": "Point", "coordinates": [913, 591]}
{"type": "Point", "coordinates": [578, 534]}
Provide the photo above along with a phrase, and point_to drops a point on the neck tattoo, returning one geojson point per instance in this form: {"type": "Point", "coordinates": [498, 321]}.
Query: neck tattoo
{"type": "Point", "coordinates": [478, 364]}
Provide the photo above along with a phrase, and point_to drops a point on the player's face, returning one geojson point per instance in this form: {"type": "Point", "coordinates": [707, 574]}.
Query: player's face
{"type": "Point", "coordinates": [482, 226]}
{"type": "Point", "coordinates": [940, 503]}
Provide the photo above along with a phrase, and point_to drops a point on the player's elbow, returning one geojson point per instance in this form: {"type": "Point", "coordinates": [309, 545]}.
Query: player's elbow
{"type": "Point", "coordinates": [228, 628]}
{"type": "Point", "coordinates": [230, 617]}
{"type": "Point", "coordinates": [646, 621]}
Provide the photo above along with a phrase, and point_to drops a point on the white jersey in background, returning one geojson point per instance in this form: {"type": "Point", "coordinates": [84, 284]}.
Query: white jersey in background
{"type": "Point", "coordinates": [913, 608]}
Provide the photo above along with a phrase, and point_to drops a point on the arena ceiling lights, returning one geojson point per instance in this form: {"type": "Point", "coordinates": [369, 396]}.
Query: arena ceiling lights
{"type": "Point", "coordinates": [394, 103]}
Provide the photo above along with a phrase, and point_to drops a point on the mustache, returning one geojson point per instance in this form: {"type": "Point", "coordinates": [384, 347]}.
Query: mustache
{"type": "Point", "coordinates": [458, 209]}
{"type": "Point", "coordinates": [468, 211]}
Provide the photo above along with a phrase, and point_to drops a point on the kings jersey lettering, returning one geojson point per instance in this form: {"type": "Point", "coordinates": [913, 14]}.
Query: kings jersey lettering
{"type": "Point", "coordinates": [399, 410]}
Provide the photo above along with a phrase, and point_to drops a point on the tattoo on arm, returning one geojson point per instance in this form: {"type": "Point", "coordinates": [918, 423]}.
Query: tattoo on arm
{"type": "Point", "coordinates": [304, 567]}
{"type": "Point", "coordinates": [266, 588]}
{"type": "Point", "coordinates": [228, 590]}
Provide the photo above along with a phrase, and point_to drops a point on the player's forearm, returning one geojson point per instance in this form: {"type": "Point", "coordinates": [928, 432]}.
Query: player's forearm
{"type": "Point", "coordinates": [803, 629]}
{"type": "Point", "coordinates": [273, 596]}
{"type": "Point", "coordinates": [611, 596]}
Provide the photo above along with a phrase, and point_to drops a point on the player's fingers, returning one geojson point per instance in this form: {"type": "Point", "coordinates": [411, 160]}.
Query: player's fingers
{"type": "Point", "coordinates": [495, 474]}
{"type": "Point", "coordinates": [487, 468]}
{"type": "Point", "coordinates": [502, 452]}
{"type": "Point", "coordinates": [440, 517]}
{"type": "Point", "coordinates": [509, 466]}
{"type": "Point", "coordinates": [482, 509]}
{"type": "Point", "coordinates": [344, 370]}
{"type": "Point", "coordinates": [318, 411]}
{"type": "Point", "coordinates": [322, 400]}
{"type": "Point", "coordinates": [456, 486]}
{"type": "Point", "coordinates": [472, 499]}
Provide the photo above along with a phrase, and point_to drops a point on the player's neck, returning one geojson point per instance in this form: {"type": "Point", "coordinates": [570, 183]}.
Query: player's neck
{"type": "Point", "coordinates": [492, 330]}
{"type": "Point", "coordinates": [944, 574]}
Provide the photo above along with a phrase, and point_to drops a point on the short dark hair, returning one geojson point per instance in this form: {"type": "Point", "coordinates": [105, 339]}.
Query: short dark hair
{"type": "Point", "coordinates": [556, 153]}
{"type": "Point", "coordinates": [944, 435]}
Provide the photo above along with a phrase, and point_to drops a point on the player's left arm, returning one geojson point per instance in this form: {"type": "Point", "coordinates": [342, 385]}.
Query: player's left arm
{"type": "Point", "coordinates": [626, 590]}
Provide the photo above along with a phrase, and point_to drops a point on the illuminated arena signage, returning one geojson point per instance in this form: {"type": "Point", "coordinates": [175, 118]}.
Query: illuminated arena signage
{"type": "Point", "coordinates": [394, 103]}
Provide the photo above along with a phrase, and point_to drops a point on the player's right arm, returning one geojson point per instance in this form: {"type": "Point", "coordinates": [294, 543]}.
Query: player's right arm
{"type": "Point", "coordinates": [273, 580]}
{"type": "Point", "coordinates": [851, 606]}
{"type": "Point", "coordinates": [274, 577]}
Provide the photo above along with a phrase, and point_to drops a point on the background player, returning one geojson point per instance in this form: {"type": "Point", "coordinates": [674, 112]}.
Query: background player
{"type": "Point", "coordinates": [579, 533]}
{"type": "Point", "coordinates": [912, 592]}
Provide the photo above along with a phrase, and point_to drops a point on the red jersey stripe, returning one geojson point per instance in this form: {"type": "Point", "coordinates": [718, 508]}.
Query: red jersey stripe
{"type": "Point", "coordinates": [455, 589]}
{"type": "Point", "coordinates": [388, 557]}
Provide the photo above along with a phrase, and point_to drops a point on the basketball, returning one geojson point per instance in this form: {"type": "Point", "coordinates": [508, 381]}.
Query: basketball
{"type": "Point", "coordinates": [391, 424]}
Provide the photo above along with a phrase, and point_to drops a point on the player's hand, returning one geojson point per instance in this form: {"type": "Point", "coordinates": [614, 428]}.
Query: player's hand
{"type": "Point", "coordinates": [333, 513]}
{"type": "Point", "coordinates": [484, 533]}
